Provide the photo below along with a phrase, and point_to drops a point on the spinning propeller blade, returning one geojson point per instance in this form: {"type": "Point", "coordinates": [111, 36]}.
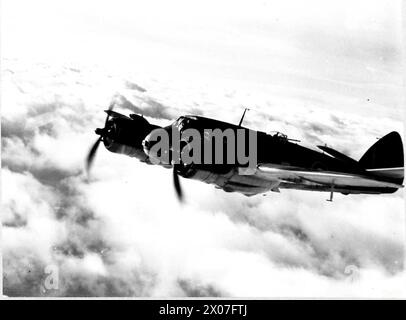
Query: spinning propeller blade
{"type": "Point", "coordinates": [92, 154]}
{"type": "Point", "coordinates": [176, 184]}
{"type": "Point", "coordinates": [93, 150]}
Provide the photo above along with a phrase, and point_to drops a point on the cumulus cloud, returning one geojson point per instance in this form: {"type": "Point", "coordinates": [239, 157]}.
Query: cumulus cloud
{"type": "Point", "coordinates": [124, 234]}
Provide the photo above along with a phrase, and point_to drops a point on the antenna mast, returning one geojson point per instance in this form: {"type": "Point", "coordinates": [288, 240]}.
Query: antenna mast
{"type": "Point", "coordinates": [243, 115]}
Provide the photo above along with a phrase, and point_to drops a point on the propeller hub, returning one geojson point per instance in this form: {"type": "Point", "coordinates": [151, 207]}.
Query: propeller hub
{"type": "Point", "coordinates": [100, 131]}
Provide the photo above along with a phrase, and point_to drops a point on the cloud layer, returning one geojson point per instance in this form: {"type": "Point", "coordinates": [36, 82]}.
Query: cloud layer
{"type": "Point", "coordinates": [123, 233]}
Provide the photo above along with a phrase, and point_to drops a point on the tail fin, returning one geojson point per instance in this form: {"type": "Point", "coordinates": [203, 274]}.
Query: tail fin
{"type": "Point", "coordinates": [385, 158]}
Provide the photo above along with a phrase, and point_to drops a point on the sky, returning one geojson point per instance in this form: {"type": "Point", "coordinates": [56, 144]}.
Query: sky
{"type": "Point", "coordinates": [320, 71]}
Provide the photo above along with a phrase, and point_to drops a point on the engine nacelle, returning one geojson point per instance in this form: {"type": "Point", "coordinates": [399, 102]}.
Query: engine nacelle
{"type": "Point", "coordinates": [124, 135]}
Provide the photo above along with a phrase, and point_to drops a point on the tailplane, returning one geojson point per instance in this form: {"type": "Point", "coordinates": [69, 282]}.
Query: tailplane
{"type": "Point", "coordinates": [385, 158]}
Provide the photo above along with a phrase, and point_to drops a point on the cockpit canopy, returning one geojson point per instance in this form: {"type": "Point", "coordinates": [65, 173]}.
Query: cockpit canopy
{"type": "Point", "coordinates": [279, 135]}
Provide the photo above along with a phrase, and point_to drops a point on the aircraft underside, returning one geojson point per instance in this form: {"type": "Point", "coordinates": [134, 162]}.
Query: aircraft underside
{"type": "Point", "coordinates": [254, 184]}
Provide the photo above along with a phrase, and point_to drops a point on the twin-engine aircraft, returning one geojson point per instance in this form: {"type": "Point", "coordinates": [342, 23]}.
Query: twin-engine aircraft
{"type": "Point", "coordinates": [281, 163]}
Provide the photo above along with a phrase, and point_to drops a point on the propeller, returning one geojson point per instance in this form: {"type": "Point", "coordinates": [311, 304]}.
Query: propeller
{"type": "Point", "coordinates": [92, 154]}
{"type": "Point", "coordinates": [93, 150]}
{"type": "Point", "coordinates": [109, 111]}
{"type": "Point", "coordinates": [176, 183]}
{"type": "Point", "coordinates": [102, 132]}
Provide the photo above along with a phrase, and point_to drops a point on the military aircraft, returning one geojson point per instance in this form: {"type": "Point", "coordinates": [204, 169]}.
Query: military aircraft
{"type": "Point", "coordinates": [282, 163]}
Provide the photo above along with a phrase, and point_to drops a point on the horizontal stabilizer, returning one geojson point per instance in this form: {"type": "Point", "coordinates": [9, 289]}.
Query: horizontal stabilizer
{"type": "Point", "coordinates": [393, 173]}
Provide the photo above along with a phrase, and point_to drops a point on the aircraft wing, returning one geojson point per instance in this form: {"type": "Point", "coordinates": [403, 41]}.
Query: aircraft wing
{"type": "Point", "coordinates": [327, 178]}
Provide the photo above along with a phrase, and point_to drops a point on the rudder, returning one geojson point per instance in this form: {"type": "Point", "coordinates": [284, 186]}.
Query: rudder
{"type": "Point", "coordinates": [387, 152]}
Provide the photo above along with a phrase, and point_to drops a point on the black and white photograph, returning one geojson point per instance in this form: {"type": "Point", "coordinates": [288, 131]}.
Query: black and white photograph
{"type": "Point", "coordinates": [217, 149]}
